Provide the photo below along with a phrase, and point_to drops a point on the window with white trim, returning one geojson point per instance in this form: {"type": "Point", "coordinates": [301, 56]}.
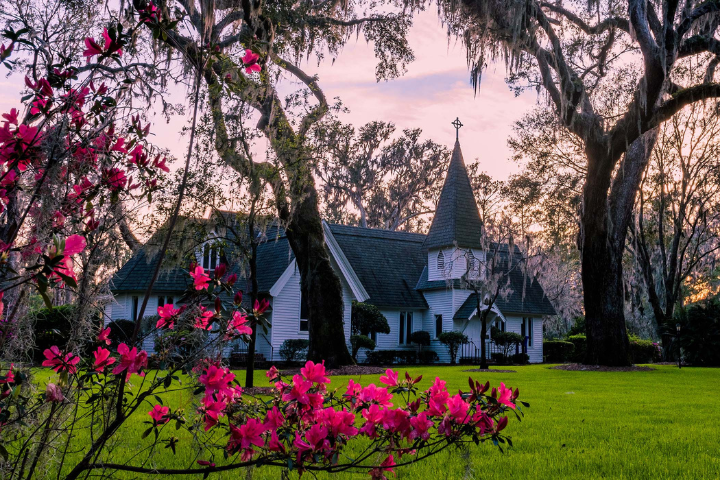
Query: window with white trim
{"type": "Point", "coordinates": [211, 256]}
{"type": "Point", "coordinates": [441, 262]}
{"type": "Point", "coordinates": [162, 301]}
{"type": "Point", "coordinates": [406, 328]}
{"type": "Point", "coordinates": [526, 330]}
{"type": "Point", "coordinates": [304, 313]}
{"type": "Point", "coordinates": [134, 308]}
{"type": "Point", "coordinates": [438, 325]}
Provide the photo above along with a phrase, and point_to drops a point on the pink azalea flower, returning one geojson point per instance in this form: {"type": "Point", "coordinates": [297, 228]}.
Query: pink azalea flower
{"type": "Point", "coordinates": [299, 391]}
{"type": "Point", "coordinates": [250, 60]}
{"type": "Point", "coordinates": [54, 359]}
{"type": "Point", "coordinates": [385, 466]}
{"type": "Point", "coordinates": [217, 379]}
{"type": "Point", "coordinates": [9, 376]}
{"type": "Point", "coordinates": [213, 410]}
{"type": "Point", "coordinates": [238, 325]}
{"type": "Point", "coordinates": [201, 322]}
{"type": "Point", "coordinates": [505, 396]}
{"type": "Point", "coordinates": [91, 48]}
{"type": "Point", "coordinates": [390, 378]}
{"type": "Point", "coordinates": [272, 374]}
{"type": "Point", "coordinates": [315, 439]}
{"type": "Point", "coordinates": [245, 436]}
{"type": "Point", "coordinates": [130, 360]}
{"type": "Point", "coordinates": [200, 278]}
{"type": "Point", "coordinates": [338, 422]}
{"type": "Point", "coordinates": [104, 336]}
{"type": "Point", "coordinates": [167, 316]}
{"type": "Point", "coordinates": [315, 372]}
{"type": "Point", "coordinates": [102, 359]}
{"type": "Point", "coordinates": [458, 409]}
{"type": "Point", "coordinates": [274, 420]}
{"type": "Point", "coordinates": [502, 423]}
{"type": "Point", "coordinates": [53, 393]}
{"type": "Point", "coordinates": [261, 306]}
{"type": "Point", "coordinates": [274, 445]}
{"type": "Point", "coordinates": [421, 426]}
{"type": "Point", "coordinates": [371, 393]}
{"type": "Point", "coordinates": [159, 414]}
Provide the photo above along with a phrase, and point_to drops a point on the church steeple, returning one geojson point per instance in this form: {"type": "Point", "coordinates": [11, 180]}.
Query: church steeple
{"type": "Point", "coordinates": [457, 220]}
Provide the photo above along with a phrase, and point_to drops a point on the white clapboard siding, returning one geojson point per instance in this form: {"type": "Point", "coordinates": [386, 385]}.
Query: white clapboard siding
{"type": "Point", "coordinates": [535, 352]}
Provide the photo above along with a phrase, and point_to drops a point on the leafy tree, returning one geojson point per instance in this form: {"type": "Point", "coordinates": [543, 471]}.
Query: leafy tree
{"type": "Point", "coordinates": [699, 339]}
{"type": "Point", "coordinates": [367, 318]}
{"type": "Point", "coordinates": [389, 182]}
{"type": "Point", "coordinates": [274, 39]}
{"type": "Point", "coordinates": [573, 53]}
{"type": "Point", "coordinates": [453, 341]}
{"type": "Point", "coordinates": [507, 341]}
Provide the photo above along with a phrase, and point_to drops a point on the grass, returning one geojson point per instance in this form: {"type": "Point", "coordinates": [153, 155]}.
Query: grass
{"type": "Point", "coordinates": [657, 424]}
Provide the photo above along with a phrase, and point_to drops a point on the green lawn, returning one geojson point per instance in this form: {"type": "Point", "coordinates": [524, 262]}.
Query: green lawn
{"type": "Point", "coordinates": [658, 424]}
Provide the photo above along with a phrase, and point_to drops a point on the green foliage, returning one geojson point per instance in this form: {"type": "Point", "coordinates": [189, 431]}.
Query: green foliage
{"type": "Point", "coordinates": [360, 341]}
{"type": "Point", "coordinates": [294, 349]}
{"type": "Point", "coordinates": [507, 341]}
{"type": "Point", "coordinates": [121, 331]}
{"type": "Point", "coordinates": [392, 357]}
{"type": "Point", "coordinates": [453, 340]}
{"type": "Point", "coordinates": [53, 327]}
{"type": "Point", "coordinates": [366, 318]}
{"type": "Point", "coordinates": [557, 351]}
{"type": "Point", "coordinates": [520, 359]}
{"type": "Point", "coordinates": [420, 337]}
{"type": "Point", "coordinates": [643, 351]}
{"type": "Point", "coordinates": [580, 344]}
{"type": "Point", "coordinates": [578, 327]}
{"type": "Point", "coordinates": [427, 357]}
{"type": "Point", "coordinates": [699, 333]}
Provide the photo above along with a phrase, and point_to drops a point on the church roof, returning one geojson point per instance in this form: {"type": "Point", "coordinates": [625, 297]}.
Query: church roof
{"type": "Point", "coordinates": [457, 219]}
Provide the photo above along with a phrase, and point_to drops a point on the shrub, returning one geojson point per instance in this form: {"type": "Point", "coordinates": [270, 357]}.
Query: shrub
{"type": "Point", "coordinates": [427, 357]}
{"type": "Point", "coordinates": [507, 341]}
{"type": "Point", "coordinates": [366, 318]}
{"type": "Point", "coordinates": [578, 327]}
{"type": "Point", "coordinates": [498, 358]}
{"type": "Point", "coordinates": [121, 331]}
{"type": "Point", "coordinates": [643, 351]}
{"type": "Point", "coordinates": [53, 327]}
{"type": "Point", "coordinates": [453, 341]}
{"type": "Point", "coordinates": [557, 351]}
{"type": "Point", "coordinates": [699, 333]}
{"type": "Point", "coordinates": [580, 346]}
{"type": "Point", "coordinates": [294, 349]}
{"type": "Point", "coordinates": [360, 341]}
{"type": "Point", "coordinates": [520, 359]}
{"type": "Point", "coordinates": [420, 337]}
{"type": "Point", "coordinates": [390, 357]}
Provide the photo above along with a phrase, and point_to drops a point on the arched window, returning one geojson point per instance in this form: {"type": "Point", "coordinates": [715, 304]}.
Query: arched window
{"type": "Point", "coordinates": [441, 262]}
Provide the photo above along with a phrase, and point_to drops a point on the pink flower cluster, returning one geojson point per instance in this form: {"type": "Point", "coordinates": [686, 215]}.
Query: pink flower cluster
{"type": "Point", "coordinates": [307, 425]}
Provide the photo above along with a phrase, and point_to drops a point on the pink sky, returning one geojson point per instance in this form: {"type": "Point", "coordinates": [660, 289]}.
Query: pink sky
{"type": "Point", "coordinates": [430, 95]}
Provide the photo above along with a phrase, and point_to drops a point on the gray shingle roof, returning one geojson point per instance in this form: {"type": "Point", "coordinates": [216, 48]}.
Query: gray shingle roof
{"type": "Point", "coordinates": [456, 218]}
{"type": "Point", "coordinates": [387, 263]}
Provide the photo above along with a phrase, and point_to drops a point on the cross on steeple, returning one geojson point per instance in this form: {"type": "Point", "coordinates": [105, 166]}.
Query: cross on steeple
{"type": "Point", "coordinates": [457, 124]}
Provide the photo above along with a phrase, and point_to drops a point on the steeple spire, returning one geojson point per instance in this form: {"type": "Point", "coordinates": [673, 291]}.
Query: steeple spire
{"type": "Point", "coordinates": [457, 219]}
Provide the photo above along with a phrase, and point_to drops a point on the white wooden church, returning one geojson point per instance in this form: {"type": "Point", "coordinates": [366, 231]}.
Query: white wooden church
{"type": "Point", "coordinates": [414, 279]}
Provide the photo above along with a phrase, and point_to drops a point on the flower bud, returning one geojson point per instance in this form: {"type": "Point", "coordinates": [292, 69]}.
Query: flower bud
{"type": "Point", "coordinates": [220, 271]}
{"type": "Point", "coordinates": [53, 393]}
{"type": "Point", "coordinates": [238, 298]}
{"type": "Point", "coordinates": [231, 279]}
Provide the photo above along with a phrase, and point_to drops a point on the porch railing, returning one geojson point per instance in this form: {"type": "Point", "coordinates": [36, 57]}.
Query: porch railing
{"type": "Point", "coordinates": [470, 353]}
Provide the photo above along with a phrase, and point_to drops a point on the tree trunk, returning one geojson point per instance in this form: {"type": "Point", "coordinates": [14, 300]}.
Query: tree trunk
{"type": "Point", "coordinates": [607, 211]}
{"type": "Point", "coordinates": [250, 365]}
{"type": "Point", "coordinates": [319, 283]}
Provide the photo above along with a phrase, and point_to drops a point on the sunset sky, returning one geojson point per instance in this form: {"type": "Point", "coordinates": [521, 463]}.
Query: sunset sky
{"type": "Point", "coordinates": [430, 95]}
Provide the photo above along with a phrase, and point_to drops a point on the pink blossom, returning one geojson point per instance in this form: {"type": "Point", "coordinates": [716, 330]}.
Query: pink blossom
{"type": "Point", "coordinates": [390, 378]}
{"type": "Point", "coordinates": [502, 423]}
{"type": "Point", "coordinates": [315, 372]}
{"type": "Point", "coordinates": [53, 393]}
{"type": "Point", "coordinates": [217, 379]}
{"type": "Point", "coordinates": [54, 358]}
{"type": "Point", "coordinates": [200, 278]}
{"type": "Point", "coordinates": [338, 422]}
{"type": "Point", "coordinates": [9, 376]}
{"type": "Point", "coordinates": [159, 414]}
{"type": "Point", "coordinates": [421, 425]}
{"type": "Point", "coordinates": [250, 60]}
{"type": "Point", "coordinates": [315, 439]}
{"type": "Point", "coordinates": [245, 436]}
{"type": "Point", "coordinates": [458, 409]}
{"type": "Point", "coordinates": [385, 466]}
{"type": "Point", "coordinates": [505, 396]}
{"type": "Point", "coordinates": [238, 325]}
{"type": "Point", "coordinates": [91, 48]}
{"type": "Point", "coordinates": [130, 360]}
{"type": "Point", "coordinates": [272, 374]}
{"type": "Point", "coordinates": [261, 306]}
{"type": "Point", "coordinates": [104, 336]}
{"type": "Point", "coordinates": [167, 316]}
{"type": "Point", "coordinates": [371, 393]}
{"type": "Point", "coordinates": [202, 321]}
{"type": "Point", "coordinates": [274, 419]}
{"type": "Point", "coordinates": [299, 391]}
{"type": "Point", "coordinates": [102, 359]}
{"type": "Point", "coordinates": [213, 410]}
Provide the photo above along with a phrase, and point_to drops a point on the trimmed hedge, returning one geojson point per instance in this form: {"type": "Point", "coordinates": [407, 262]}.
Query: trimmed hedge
{"type": "Point", "coordinates": [643, 351]}
{"type": "Point", "coordinates": [520, 359]}
{"type": "Point", "coordinates": [557, 351]}
{"type": "Point", "coordinates": [400, 357]}
{"type": "Point", "coordinates": [294, 349]}
{"type": "Point", "coordinates": [580, 344]}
